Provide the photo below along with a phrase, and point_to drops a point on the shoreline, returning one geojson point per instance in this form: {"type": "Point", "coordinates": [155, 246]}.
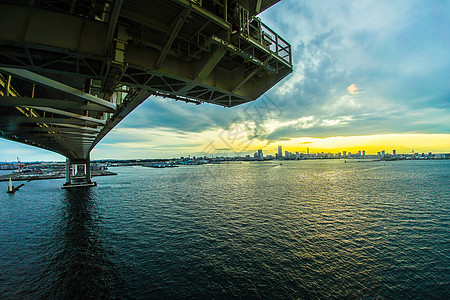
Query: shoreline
{"type": "Point", "coordinates": [31, 177]}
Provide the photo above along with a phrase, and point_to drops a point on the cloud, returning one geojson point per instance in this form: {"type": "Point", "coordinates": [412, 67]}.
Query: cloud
{"type": "Point", "coordinates": [10, 150]}
{"type": "Point", "coordinates": [354, 90]}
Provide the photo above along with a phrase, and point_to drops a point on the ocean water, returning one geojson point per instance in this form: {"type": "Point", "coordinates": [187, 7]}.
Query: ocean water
{"type": "Point", "coordinates": [303, 229]}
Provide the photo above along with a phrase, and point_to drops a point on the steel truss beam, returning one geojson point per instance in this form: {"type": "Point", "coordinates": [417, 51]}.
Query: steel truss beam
{"type": "Point", "coordinates": [68, 136]}
{"type": "Point", "coordinates": [176, 26]}
{"type": "Point", "coordinates": [53, 84]}
{"type": "Point", "coordinates": [30, 129]}
{"type": "Point", "coordinates": [76, 127]}
{"type": "Point", "coordinates": [69, 114]}
{"type": "Point", "coordinates": [44, 102]}
{"type": "Point", "coordinates": [44, 120]}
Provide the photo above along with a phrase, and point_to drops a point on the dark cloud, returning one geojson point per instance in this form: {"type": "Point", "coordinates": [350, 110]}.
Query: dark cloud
{"type": "Point", "coordinates": [157, 112]}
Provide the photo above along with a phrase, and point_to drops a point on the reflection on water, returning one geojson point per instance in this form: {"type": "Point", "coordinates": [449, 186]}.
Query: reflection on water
{"type": "Point", "coordinates": [80, 262]}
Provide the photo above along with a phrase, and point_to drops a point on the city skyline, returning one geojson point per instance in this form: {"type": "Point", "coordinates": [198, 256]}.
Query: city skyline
{"type": "Point", "coordinates": [434, 144]}
{"type": "Point", "coordinates": [260, 155]}
{"type": "Point", "coordinates": [357, 83]}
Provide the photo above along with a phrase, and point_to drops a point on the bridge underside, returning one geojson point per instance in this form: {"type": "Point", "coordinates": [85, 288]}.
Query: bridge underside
{"type": "Point", "coordinates": [72, 70]}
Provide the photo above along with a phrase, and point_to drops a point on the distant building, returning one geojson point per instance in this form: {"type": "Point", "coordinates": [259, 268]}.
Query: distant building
{"type": "Point", "coordinates": [364, 153]}
{"type": "Point", "coordinates": [260, 154]}
{"type": "Point", "coordinates": [280, 152]}
{"type": "Point", "coordinates": [287, 155]}
{"type": "Point", "coordinates": [307, 151]}
{"type": "Point", "coordinates": [394, 153]}
{"type": "Point", "coordinates": [344, 153]}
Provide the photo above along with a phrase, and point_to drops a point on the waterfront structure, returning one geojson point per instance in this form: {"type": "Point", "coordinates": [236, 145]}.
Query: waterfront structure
{"type": "Point", "coordinates": [70, 71]}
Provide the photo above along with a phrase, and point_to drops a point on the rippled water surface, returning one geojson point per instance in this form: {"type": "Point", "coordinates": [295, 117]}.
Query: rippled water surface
{"type": "Point", "coordinates": [303, 229]}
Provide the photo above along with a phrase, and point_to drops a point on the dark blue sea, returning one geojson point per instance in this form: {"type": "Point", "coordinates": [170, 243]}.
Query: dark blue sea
{"type": "Point", "coordinates": [300, 230]}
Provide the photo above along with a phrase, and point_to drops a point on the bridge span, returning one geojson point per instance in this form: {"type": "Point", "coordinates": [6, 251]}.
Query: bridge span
{"type": "Point", "coordinates": [71, 70]}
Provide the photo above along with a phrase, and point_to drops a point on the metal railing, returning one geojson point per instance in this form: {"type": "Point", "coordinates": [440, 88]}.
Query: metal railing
{"type": "Point", "coordinates": [266, 37]}
{"type": "Point", "coordinates": [250, 27]}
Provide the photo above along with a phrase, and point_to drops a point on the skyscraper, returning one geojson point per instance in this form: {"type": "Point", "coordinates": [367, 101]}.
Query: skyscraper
{"type": "Point", "coordinates": [280, 152]}
{"type": "Point", "coordinates": [260, 154]}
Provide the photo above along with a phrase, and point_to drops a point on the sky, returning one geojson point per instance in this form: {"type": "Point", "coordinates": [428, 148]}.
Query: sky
{"type": "Point", "coordinates": [368, 75]}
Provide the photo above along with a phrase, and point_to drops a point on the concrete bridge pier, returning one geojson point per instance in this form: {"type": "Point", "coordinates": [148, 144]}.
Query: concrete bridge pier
{"type": "Point", "coordinates": [78, 173]}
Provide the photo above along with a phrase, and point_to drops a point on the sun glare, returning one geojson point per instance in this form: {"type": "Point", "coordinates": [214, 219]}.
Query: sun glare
{"type": "Point", "coordinates": [402, 143]}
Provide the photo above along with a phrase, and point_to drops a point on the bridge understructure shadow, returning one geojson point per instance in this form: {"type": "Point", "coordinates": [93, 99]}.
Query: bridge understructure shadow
{"type": "Point", "coordinates": [70, 71]}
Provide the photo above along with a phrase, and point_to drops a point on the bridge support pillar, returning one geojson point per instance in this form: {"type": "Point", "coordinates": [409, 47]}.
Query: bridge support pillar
{"type": "Point", "coordinates": [68, 171]}
{"type": "Point", "coordinates": [78, 173]}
